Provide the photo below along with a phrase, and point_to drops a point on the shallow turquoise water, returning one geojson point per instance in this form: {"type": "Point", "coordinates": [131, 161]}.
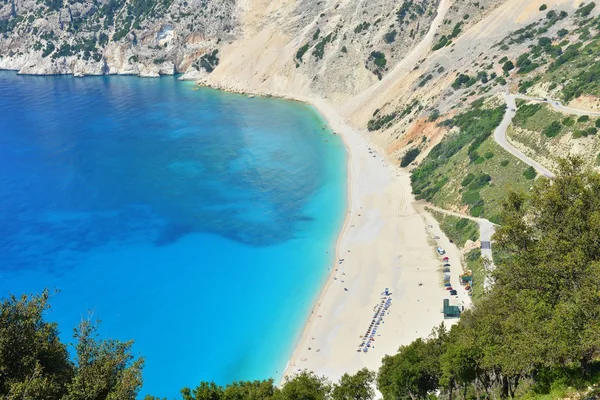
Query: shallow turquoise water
{"type": "Point", "coordinates": [200, 224]}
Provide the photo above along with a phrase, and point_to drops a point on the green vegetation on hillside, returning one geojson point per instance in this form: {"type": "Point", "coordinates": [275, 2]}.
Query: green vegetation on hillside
{"type": "Point", "coordinates": [409, 157]}
{"type": "Point", "coordinates": [475, 265]}
{"type": "Point", "coordinates": [379, 62]}
{"type": "Point", "coordinates": [459, 230]}
{"type": "Point", "coordinates": [384, 121]}
{"type": "Point", "coordinates": [537, 330]}
{"type": "Point", "coordinates": [447, 40]}
{"type": "Point", "coordinates": [568, 66]}
{"type": "Point", "coordinates": [458, 165]}
{"type": "Point", "coordinates": [540, 128]}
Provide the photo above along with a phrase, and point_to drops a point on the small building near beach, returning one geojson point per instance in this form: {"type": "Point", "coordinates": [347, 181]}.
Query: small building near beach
{"type": "Point", "coordinates": [450, 311]}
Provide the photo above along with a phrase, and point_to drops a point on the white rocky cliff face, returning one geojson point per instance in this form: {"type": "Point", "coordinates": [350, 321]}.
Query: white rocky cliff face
{"type": "Point", "coordinates": [315, 46]}
{"type": "Point", "coordinates": [87, 37]}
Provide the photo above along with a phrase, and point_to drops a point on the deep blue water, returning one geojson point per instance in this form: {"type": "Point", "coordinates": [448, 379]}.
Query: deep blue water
{"type": "Point", "coordinates": [198, 223]}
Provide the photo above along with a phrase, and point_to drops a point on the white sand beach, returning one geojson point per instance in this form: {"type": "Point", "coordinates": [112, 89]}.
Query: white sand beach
{"type": "Point", "coordinates": [385, 243]}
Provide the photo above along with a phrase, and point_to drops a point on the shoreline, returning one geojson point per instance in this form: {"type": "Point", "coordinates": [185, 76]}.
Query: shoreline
{"type": "Point", "coordinates": [328, 302]}
{"type": "Point", "coordinates": [349, 205]}
{"type": "Point", "coordinates": [386, 242]}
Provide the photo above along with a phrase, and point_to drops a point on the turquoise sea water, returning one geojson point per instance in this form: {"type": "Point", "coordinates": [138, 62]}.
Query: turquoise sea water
{"type": "Point", "coordinates": [200, 224]}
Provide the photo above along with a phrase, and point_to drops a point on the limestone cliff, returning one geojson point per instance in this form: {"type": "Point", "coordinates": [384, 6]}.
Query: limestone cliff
{"type": "Point", "coordinates": [90, 37]}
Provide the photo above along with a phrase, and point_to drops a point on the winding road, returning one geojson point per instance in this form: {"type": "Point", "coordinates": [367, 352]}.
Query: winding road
{"type": "Point", "coordinates": [502, 140]}
{"type": "Point", "coordinates": [511, 110]}
{"type": "Point", "coordinates": [486, 228]}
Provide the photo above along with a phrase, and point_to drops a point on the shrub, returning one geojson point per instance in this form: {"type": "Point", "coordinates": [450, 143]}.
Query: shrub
{"type": "Point", "coordinates": [301, 51]}
{"type": "Point", "coordinates": [102, 39]}
{"type": "Point", "coordinates": [530, 173]}
{"type": "Point", "coordinates": [488, 154]}
{"type": "Point", "coordinates": [378, 59]}
{"type": "Point", "coordinates": [390, 36]}
{"type": "Point", "coordinates": [380, 122]}
{"type": "Point", "coordinates": [461, 223]}
{"type": "Point", "coordinates": [319, 50]}
{"type": "Point", "coordinates": [409, 157]}
{"type": "Point", "coordinates": [579, 133]}
{"type": "Point", "coordinates": [467, 179]}
{"type": "Point", "coordinates": [543, 7]}
{"type": "Point", "coordinates": [508, 66]}
{"type": "Point", "coordinates": [552, 130]}
{"type": "Point", "coordinates": [585, 10]}
{"type": "Point", "coordinates": [583, 118]}
{"type": "Point", "coordinates": [525, 112]}
{"type": "Point", "coordinates": [597, 123]}
{"type": "Point", "coordinates": [477, 211]}
{"type": "Point", "coordinates": [316, 34]}
{"type": "Point", "coordinates": [361, 27]}
{"type": "Point", "coordinates": [474, 156]}
{"type": "Point", "coordinates": [504, 163]}
{"type": "Point", "coordinates": [435, 114]}
{"type": "Point", "coordinates": [426, 79]}
{"type": "Point", "coordinates": [442, 42]}
{"type": "Point", "coordinates": [592, 130]}
{"type": "Point", "coordinates": [344, 49]}
{"type": "Point", "coordinates": [475, 126]}
{"type": "Point", "coordinates": [479, 182]}
{"type": "Point", "coordinates": [460, 80]}
{"type": "Point", "coordinates": [48, 50]}
{"type": "Point", "coordinates": [568, 121]}
{"type": "Point", "coordinates": [562, 33]}
{"type": "Point", "coordinates": [471, 197]}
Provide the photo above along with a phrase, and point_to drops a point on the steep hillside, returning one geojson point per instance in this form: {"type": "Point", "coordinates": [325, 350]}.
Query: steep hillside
{"type": "Point", "coordinates": [443, 112]}
{"type": "Point", "coordinates": [322, 46]}
{"type": "Point", "coordinates": [327, 49]}
{"type": "Point", "coordinates": [146, 37]}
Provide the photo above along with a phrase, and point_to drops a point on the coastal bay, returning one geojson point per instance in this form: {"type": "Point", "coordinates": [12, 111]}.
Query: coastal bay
{"type": "Point", "coordinates": [199, 224]}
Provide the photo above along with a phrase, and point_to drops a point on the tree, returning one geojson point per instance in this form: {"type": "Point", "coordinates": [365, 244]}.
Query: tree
{"type": "Point", "coordinates": [508, 66]}
{"type": "Point", "coordinates": [355, 387]}
{"type": "Point", "coordinates": [554, 264]}
{"type": "Point", "coordinates": [412, 373]}
{"type": "Point", "coordinates": [254, 390]}
{"type": "Point", "coordinates": [105, 369]}
{"type": "Point", "coordinates": [34, 364]}
{"type": "Point", "coordinates": [305, 386]}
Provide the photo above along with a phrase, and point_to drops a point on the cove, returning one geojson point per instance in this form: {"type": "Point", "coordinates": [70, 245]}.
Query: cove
{"type": "Point", "coordinates": [198, 223]}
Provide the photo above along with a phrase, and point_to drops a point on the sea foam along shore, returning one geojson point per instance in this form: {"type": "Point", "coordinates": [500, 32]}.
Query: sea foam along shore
{"type": "Point", "coordinates": [385, 243]}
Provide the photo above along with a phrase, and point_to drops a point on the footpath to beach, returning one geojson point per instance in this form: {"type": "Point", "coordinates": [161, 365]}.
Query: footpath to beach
{"type": "Point", "coordinates": [385, 243]}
